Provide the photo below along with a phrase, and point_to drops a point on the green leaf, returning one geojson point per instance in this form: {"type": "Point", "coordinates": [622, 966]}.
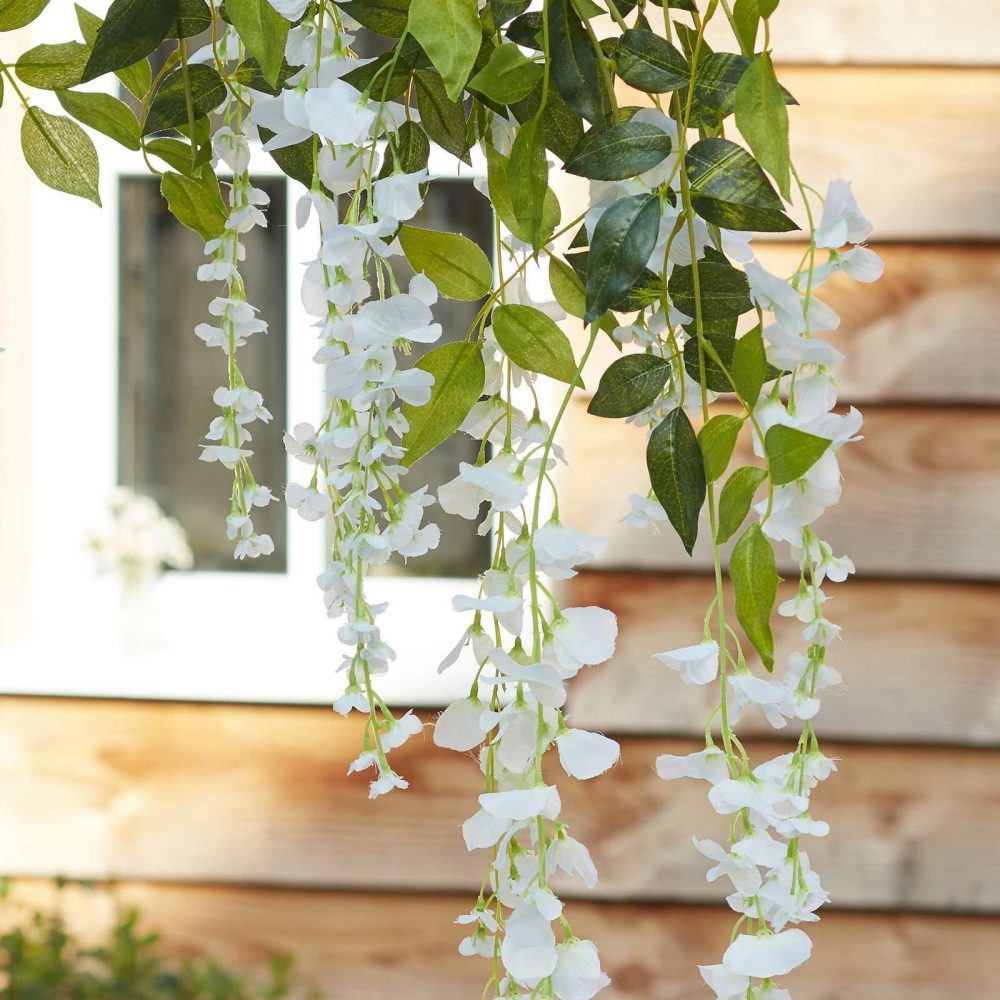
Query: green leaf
{"type": "Point", "coordinates": [735, 500]}
{"type": "Point", "coordinates": [53, 67]}
{"type": "Point", "coordinates": [412, 150]}
{"type": "Point", "coordinates": [1, 91]}
{"type": "Point", "coordinates": [459, 376]}
{"type": "Point", "coordinates": [573, 62]}
{"type": "Point", "coordinates": [497, 166]}
{"type": "Point", "coordinates": [755, 583]}
{"type": "Point", "coordinates": [60, 153]}
{"type": "Point", "coordinates": [561, 125]}
{"type": "Point", "coordinates": [263, 31]}
{"type": "Point", "coordinates": [650, 63]}
{"type": "Point", "coordinates": [749, 367]}
{"type": "Point", "coordinates": [443, 118]}
{"type": "Point", "coordinates": [566, 286]}
{"type": "Point", "coordinates": [629, 385]}
{"type": "Point", "coordinates": [767, 7]}
{"type": "Point", "coordinates": [196, 203]}
{"type": "Point", "coordinates": [455, 264]}
{"type": "Point", "coordinates": [508, 76]}
{"type": "Point", "coordinates": [791, 453]}
{"type": "Point", "coordinates": [724, 290]}
{"type": "Point", "coordinates": [527, 182]}
{"type": "Point", "coordinates": [193, 17]}
{"type": "Point", "coordinates": [104, 113]}
{"type": "Point", "coordinates": [677, 474]}
{"type": "Point", "coordinates": [619, 152]}
{"type": "Point", "coordinates": [762, 118]}
{"type": "Point", "coordinates": [169, 107]}
{"type": "Point", "coordinates": [450, 33]}
{"type": "Point", "coordinates": [175, 152]}
{"type": "Point", "coordinates": [384, 17]}
{"type": "Point", "coordinates": [534, 342]}
{"type": "Point", "coordinates": [623, 239]}
{"type": "Point", "coordinates": [504, 10]}
{"type": "Point", "coordinates": [746, 21]}
{"type": "Point", "coordinates": [137, 77]}
{"type": "Point", "coordinates": [249, 73]}
{"type": "Point", "coordinates": [375, 76]}
{"type": "Point", "coordinates": [717, 348]}
{"type": "Point", "coordinates": [295, 161]}
{"type": "Point", "coordinates": [717, 440]}
{"type": "Point", "coordinates": [17, 13]}
{"type": "Point", "coordinates": [131, 30]}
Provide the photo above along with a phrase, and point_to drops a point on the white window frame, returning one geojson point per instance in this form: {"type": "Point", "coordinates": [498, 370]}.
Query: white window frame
{"type": "Point", "coordinates": [238, 637]}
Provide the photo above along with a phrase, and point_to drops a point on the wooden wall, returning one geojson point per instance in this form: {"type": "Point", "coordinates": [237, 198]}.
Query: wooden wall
{"type": "Point", "coordinates": [238, 831]}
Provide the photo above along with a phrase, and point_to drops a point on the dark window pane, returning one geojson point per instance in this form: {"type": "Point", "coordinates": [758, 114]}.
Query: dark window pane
{"type": "Point", "coordinates": [455, 206]}
{"type": "Point", "coordinates": [167, 375]}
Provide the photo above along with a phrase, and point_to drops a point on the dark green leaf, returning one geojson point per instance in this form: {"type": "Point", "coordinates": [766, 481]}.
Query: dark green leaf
{"type": "Point", "coordinates": [619, 152]}
{"type": "Point", "coordinates": [384, 17]}
{"type": "Point", "coordinates": [719, 359]}
{"type": "Point", "coordinates": [527, 182]}
{"type": "Point", "coordinates": [412, 150]}
{"type": "Point", "coordinates": [450, 33]}
{"type": "Point", "coordinates": [726, 215]}
{"type": "Point", "coordinates": [104, 113]}
{"type": "Point", "coordinates": [526, 30]}
{"type": "Point", "coordinates": [791, 453]}
{"type": "Point", "coordinates": [762, 117]}
{"type": "Point", "coordinates": [717, 439]}
{"type": "Point", "coordinates": [629, 385]}
{"type": "Point", "coordinates": [735, 500]}
{"type": "Point", "coordinates": [459, 376]}
{"type": "Point", "coordinates": [566, 286]}
{"type": "Point", "coordinates": [573, 62]}
{"type": "Point", "coordinates": [624, 238]}
{"type": "Point", "coordinates": [455, 264]}
{"type": "Point", "coordinates": [193, 17]}
{"type": "Point", "coordinates": [561, 126]}
{"type": "Point", "coordinates": [534, 342]}
{"type": "Point", "coordinates": [196, 203]}
{"type": "Point", "coordinates": [378, 79]}
{"type": "Point", "coordinates": [650, 63]}
{"type": "Point", "coordinates": [677, 474]}
{"type": "Point", "coordinates": [645, 290]}
{"type": "Point", "coordinates": [60, 153]}
{"type": "Point", "coordinates": [724, 290]}
{"type": "Point", "coordinates": [137, 77]}
{"type": "Point", "coordinates": [443, 118]}
{"type": "Point", "coordinates": [250, 75]}
{"type": "Point", "coordinates": [131, 30]}
{"type": "Point", "coordinates": [17, 13]}
{"type": "Point", "coordinates": [169, 108]}
{"type": "Point", "coordinates": [53, 67]}
{"type": "Point", "coordinates": [175, 152]}
{"type": "Point", "coordinates": [749, 366]}
{"type": "Point", "coordinates": [720, 169]}
{"type": "Point", "coordinates": [508, 76]}
{"type": "Point", "coordinates": [263, 31]}
{"type": "Point", "coordinates": [296, 161]}
{"type": "Point", "coordinates": [504, 10]}
{"type": "Point", "coordinates": [755, 583]}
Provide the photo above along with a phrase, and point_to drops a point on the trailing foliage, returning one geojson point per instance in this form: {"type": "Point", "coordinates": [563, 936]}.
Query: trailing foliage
{"type": "Point", "coordinates": [688, 155]}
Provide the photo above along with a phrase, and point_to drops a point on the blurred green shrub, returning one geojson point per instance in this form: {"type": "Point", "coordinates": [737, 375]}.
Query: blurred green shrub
{"type": "Point", "coordinates": [41, 960]}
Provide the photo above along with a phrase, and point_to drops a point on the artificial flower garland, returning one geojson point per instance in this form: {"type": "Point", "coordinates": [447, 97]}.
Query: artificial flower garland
{"type": "Point", "coordinates": [661, 259]}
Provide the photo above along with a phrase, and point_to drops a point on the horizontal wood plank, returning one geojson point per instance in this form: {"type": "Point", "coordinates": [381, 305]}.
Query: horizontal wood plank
{"type": "Point", "coordinates": [926, 332]}
{"type": "Point", "coordinates": [915, 143]}
{"type": "Point", "coordinates": [261, 795]}
{"type": "Point", "coordinates": [888, 32]}
{"type": "Point", "coordinates": [920, 494]}
{"type": "Point", "coordinates": [919, 659]}
{"type": "Point", "coordinates": [383, 947]}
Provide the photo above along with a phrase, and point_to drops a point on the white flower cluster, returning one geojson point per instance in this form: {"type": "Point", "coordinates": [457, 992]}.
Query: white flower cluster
{"type": "Point", "coordinates": [234, 320]}
{"type": "Point", "coordinates": [513, 713]}
{"type": "Point", "coordinates": [138, 539]}
{"type": "Point", "coordinates": [353, 455]}
{"type": "Point", "coordinates": [774, 885]}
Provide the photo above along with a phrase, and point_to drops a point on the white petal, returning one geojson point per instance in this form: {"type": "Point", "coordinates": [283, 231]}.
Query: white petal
{"type": "Point", "coordinates": [585, 755]}
{"type": "Point", "coordinates": [766, 955]}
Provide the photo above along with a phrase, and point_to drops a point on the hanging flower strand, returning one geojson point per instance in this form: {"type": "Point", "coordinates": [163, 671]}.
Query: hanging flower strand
{"type": "Point", "coordinates": [352, 455]}
{"type": "Point", "coordinates": [235, 318]}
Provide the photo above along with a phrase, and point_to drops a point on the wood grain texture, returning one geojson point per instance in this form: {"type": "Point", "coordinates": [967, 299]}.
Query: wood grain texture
{"type": "Point", "coordinates": [889, 32]}
{"type": "Point", "coordinates": [383, 947]}
{"type": "Point", "coordinates": [916, 143]}
{"type": "Point", "coordinates": [920, 494]}
{"type": "Point", "coordinates": [926, 332]}
{"type": "Point", "coordinates": [260, 795]}
{"type": "Point", "coordinates": [918, 659]}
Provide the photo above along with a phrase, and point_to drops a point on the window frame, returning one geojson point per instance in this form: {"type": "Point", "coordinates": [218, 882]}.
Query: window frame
{"type": "Point", "coordinates": [288, 651]}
